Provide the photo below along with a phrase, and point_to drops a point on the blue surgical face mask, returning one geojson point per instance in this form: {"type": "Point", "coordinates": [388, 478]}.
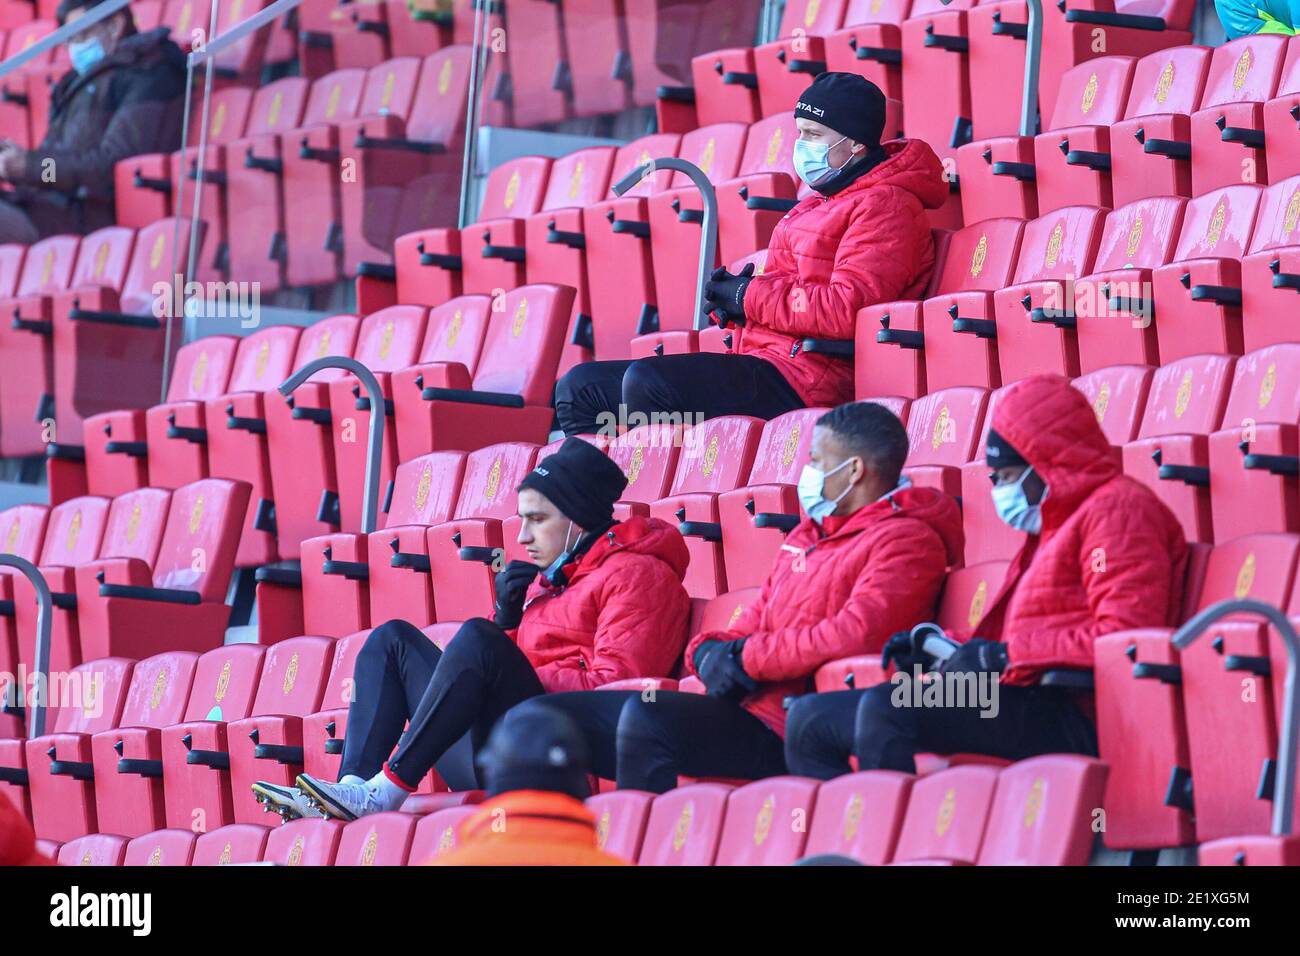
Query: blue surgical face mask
{"type": "Point", "coordinates": [1013, 507]}
{"type": "Point", "coordinates": [812, 483]}
{"type": "Point", "coordinates": [810, 160]}
{"type": "Point", "coordinates": [85, 54]}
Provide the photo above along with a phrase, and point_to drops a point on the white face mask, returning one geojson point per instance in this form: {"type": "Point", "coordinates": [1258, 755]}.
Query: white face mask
{"type": "Point", "coordinates": [812, 482]}
{"type": "Point", "coordinates": [811, 160]}
{"type": "Point", "coordinates": [1013, 507]}
{"type": "Point", "coordinates": [563, 558]}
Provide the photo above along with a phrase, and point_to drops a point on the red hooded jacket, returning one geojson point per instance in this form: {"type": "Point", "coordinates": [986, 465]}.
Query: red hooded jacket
{"type": "Point", "coordinates": [1110, 555]}
{"type": "Point", "coordinates": [843, 593]}
{"type": "Point", "coordinates": [624, 612]}
{"type": "Point", "coordinates": [831, 256]}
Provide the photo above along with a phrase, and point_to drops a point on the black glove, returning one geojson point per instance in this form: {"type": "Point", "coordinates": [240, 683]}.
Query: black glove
{"type": "Point", "coordinates": [901, 650]}
{"type": "Point", "coordinates": [512, 584]}
{"type": "Point", "coordinates": [720, 668]}
{"type": "Point", "coordinates": [725, 294]}
{"type": "Point", "coordinates": [977, 656]}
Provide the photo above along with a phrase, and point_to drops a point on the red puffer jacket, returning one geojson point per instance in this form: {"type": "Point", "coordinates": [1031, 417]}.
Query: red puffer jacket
{"type": "Point", "coordinates": [842, 594]}
{"type": "Point", "coordinates": [831, 256]}
{"type": "Point", "coordinates": [623, 614]}
{"type": "Point", "coordinates": [1110, 556]}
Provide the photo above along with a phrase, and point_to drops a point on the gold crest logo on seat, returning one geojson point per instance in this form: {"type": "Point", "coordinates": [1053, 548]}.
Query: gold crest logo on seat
{"type": "Point", "coordinates": [159, 688]}
{"type": "Point", "coordinates": [943, 429]}
{"type": "Point", "coordinates": [1245, 577]}
{"type": "Point", "coordinates": [332, 105]}
{"type": "Point", "coordinates": [706, 157]}
{"type": "Point", "coordinates": [493, 481]}
{"type": "Point", "coordinates": [47, 266]}
{"type": "Point", "coordinates": [386, 97]}
{"type": "Point", "coordinates": [1217, 221]}
{"type": "Point", "coordinates": [635, 465]}
{"type": "Point", "coordinates": [710, 456]}
{"type": "Point", "coordinates": [295, 853]}
{"type": "Point", "coordinates": [1184, 396]}
{"type": "Point", "coordinates": [444, 78]}
{"type": "Point", "coordinates": [155, 858]}
{"type": "Point", "coordinates": [386, 340]}
{"type": "Point", "coordinates": [683, 828]}
{"type": "Point", "coordinates": [453, 329]}
{"type": "Point", "coordinates": [159, 246]}
{"type": "Point", "coordinates": [263, 357]}
{"type": "Point", "coordinates": [218, 120]}
{"type": "Point", "coordinates": [86, 860]}
{"type": "Point", "coordinates": [1089, 94]}
{"type": "Point", "coordinates": [774, 147]}
{"type": "Point", "coordinates": [977, 603]}
{"type": "Point", "coordinates": [323, 345]}
{"type": "Point", "coordinates": [1034, 802]}
{"type": "Point", "coordinates": [1244, 63]}
{"type": "Point", "coordinates": [224, 858]}
{"type": "Point", "coordinates": [810, 12]}
{"type": "Point", "coordinates": [1134, 237]}
{"type": "Point", "coordinates": [521, 316]}
{"type": "Point", "coordinates": [512, 189]}
{"type": "Point", "coordinates": [371, 847]}
{"type": "Point", "coordinates": [273, 112]}
{"type": "Point", "coordinates": [196, 515]}
{"type": "Point", "coordinates": [101, 259]}
{"type": "Point", "coordinates": [448, 840]}
{"type": "Point", "coordinates": [1292, 213]}
{"type": "Point", "coordinates": [422, 488]}
{"type": "Point", "coordinates": [223, 683]}
{"type": "Point", "coordinates": [790, 447]}
{"type": "Point", "coordinates": [290, 676]}
{"type": "Point", "coordinates": [1054, 242]}
{"type": "Point", "coordinates": [575, 181]}
{"type": "Point", "coordinates": [977, 258]}
{"type": "Point", "coordinates": [763, 822]}
{"type": "Point", "coordinates": [947, 809]}
{"type": "Point", "coordinates": [133, 525]}
{"type": "Point", "coordinates": [1268, 385]}
{"type": "Point", "coordinates": [735, 615]}
{"type": "Point", "coordinates": [1165, 82]}
{"type": "Point", "coordinates": [852, 818]}
{"type": "Point", "coordinates": [200, 373]}
{"type": "Point", "coordinates": [74, 529]}
{"type": "Point", "coordinates": [602, 830]}
{"type": "Point", "coordinates": [1101, 402]}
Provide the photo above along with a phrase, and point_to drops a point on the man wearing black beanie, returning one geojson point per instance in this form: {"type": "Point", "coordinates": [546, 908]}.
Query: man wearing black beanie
{"type": "Point", "coordinates": [859, 237]}
{"type": "Point", "coordinates": [598, 601]}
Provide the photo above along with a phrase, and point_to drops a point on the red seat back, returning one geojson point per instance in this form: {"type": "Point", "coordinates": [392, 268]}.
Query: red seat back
{"type": "Point", "coordinates": [715, 149]}
{"type": "Point", "coordinates": [23, 530]}
{"type": "Point", "coordinates": [91, 698]}
{"type": "Point", "coordinates": [198, 545]}
{"type": "Point", "coordinates": [438, 113]}
{"type": "Point", "coordinates": [717, 455]}
{"type": "Point", "coordinates": [946, 815]}
{"type": "Point", "coordinates": [1118, 395]}
{"type": "Point", "coordinates": [236, 843]}
{"type": "Point", "coordinates": [381, 839]}
{"type": "Point", "coordinates": [104, 257]}
{"type": "Point", "coordinates": [293, 677]}
{"type": "Point", "coordinates": [638, 153]}
{"type": "Point", "coordinates": [225, 682]}
{"type": "Point", "coordinates": [1061, 244]}
{"type": "Point", "coordinates": [438, 833]}
{"type": "Point", "coordinates": [161, 848]}
{"type": "Point", "coordinates": [579, 178]}
{"type": "Point", "coordinates": [74, 531]}
{"type": "Point", "coordinates": [1168, 81]}
{"type": "Point", "coordinates": [621, 817]}
{"type": "Point", "coordinates": [1244, 69]}
{"type": "Point", "coordinates": [491, 476]}
{"type": "Point", "coordinates": [1187, 396]}
{"type": "Point", "coordinates": [968, 593]}
{"type": "Point", "coordinates": [333, 336]}
{"type": "Point", "coordinates": [515, 188]}
{"type": "Point", "coordinates": [859, 815]}
{"type": "Point", "coordinates": [278, 106]}
{"type": "Point", "coordinates": [784, 447]}
{"type": "Point", "coordinates": [202, 369]}
{"type": "Point", "coordinates": [455, 331]}
{"type": "Point", "coordinates": [335, 96]}
{"type": "Point", "coordinates": [767, 822]}
{"type": "Point", "coordinates": [425, 489]}
{"type": "Point", "coordinates": [1094, 92]}
{"type": "Point", "coordinates": [1278, 221]}
{"type": "Point", "coordinates": [980, 257]}
{"type": "Point", "coordinates": [525, 336]}
{"type": "Point", "coordinates": [648, 455]}
{"type": "Point", "coordinates": [160, 689]}
{"type": "Point", "coordinates": [264, 359]}
{"type": "Point", "coordinates": [304, 843]}
{"type": "Point", "coordinates": [48, 266]}
{"type": "Point", "coordinates": [390, 87]}
{"type": "Point", "coordinates": [684, 826]}
{"type": "Point", "coordinates": [943, 427]}
{"type": "Point", "coordinates": [1141, 234]}
{"type": "Point", "coordinates": [1219, 223]}
{"type": "Point", "coordinates": [135, 523]}
{"type": "Point", "coordinates": [1045, 812]}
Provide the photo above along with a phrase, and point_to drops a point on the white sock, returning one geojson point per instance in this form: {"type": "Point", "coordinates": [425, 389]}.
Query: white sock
{"type": "Point", "coordinates": [390, 794]}
{"type": "Point", "coordinates": [352, 778]}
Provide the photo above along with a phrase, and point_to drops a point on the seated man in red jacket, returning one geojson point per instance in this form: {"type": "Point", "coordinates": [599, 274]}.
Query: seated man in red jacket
{"type": "Point", "coordinates": [1102, 554]}
{"type": "Point", "coordinates": [608, 605]}
{"type": "Point", "coordinates": [867, 561]}
{"type": "Point", "coordinates": [861, 238]}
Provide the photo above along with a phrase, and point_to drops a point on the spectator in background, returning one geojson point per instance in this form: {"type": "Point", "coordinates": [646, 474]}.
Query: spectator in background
{"type": "Point", "coordinates": [867, 561]}
{"type": "Point", "coordinates": [1242, 18]}
{"type": "Point", "coordinates": [862, 237]}
{"type": "Point", "coordinates": [535, 770]}
{"type": "Point", "coordinates": [608, 605]}
{"type": "Point", "coordinates": [123, 96]}
{"type": "Point", "coordinates": [1102, 554]}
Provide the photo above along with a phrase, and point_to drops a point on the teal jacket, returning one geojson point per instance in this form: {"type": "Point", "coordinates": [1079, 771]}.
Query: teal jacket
{"type": "Point", "coordinates": [1245, 17]}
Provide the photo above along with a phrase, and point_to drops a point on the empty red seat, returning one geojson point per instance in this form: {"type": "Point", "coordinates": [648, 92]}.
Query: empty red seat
{"type": "Point", "coordinates": [14, 115]}
{"type": "Point", "coordinates": [685, 826]}
{"type": "Point", "coordinates": [717, 456]}
{"type": "Point", "coordinates": [436, 833]}
{"type": "Point", "coordinates": [125, 606]}
{"type": "Point", "coordinates": [1035, 324]}
{"type": "Point", "coordinates": [1270, 270]}
{"type": "Point", "coordinates": [1112, 306]}
{"type": "Point", "coordinates": [161, 848]}
{"type": "Point", "coordinates": [98, 849]}
{"type": "Point", "coordinates": [1228, 127]}
{"type": "Point", "coordinates": [946, 814]}
{"type": "Point", "coordinates": [195, 753]}
{"type": "Point", "coordinates": [299, 439]}
{"type": "Point", "coordinates": [59, 769]}
{"type": "Point", "coordinates": [305, 842]}
{"type": "Point", "coordinates": [1170, 454]}
{"type": "Point", "coordinates": [1118, 395]}
{"type": "Point", "coordinates": [756, 517]}
{"type": "Point", "coordinates": [943, 429]}
{"type": "Point", "coordinates": [767, 822]}
{"type": "Point", "coordinates": [127, 760]}
{"type": "Point", "coordinates": [621, 818]}
{"type": "Point", "coordinates": [1045, 812]}
{"type": "Point", "coordinates": [936, 89]}
{"type": "Point", "coordinates": [1151, 147]}
{"type": "Point", "coordinates": [1251, 851]}
{"type": "Point", "coordinates": [235, 843]}
{"type": "Point", "coordinates": [859, 815]}
{"type": "Point", "coordinates": [381, 839]}
{"type": "Point", "coordinates": [1282, 120]}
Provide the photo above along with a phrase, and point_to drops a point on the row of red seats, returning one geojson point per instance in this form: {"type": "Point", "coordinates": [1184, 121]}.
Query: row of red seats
{"type": "Point", "coordinates": [1036, 812]}
{"type": "Point", "coordinates": [1179, 122]}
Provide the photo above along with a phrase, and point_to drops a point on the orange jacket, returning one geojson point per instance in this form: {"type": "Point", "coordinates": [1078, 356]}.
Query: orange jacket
{"type": "Point", "coordinates": [528, 828]}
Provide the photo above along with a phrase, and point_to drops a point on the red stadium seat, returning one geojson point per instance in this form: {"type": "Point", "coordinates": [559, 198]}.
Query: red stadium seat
{"type": "Point", "coordinates": [859, 815]}
{"type": "Point", "coordinates": [127, 760]}
{"type": "Point", "coordinates": [946, 814]}
{"type": "Point", "coordinates": [381, 839]}
{"type": "Point", "coordinates": [125, 606]}
{"type": "Point", "coordinates": [749, 542]}
{"type": "Point", "coordinates": [870, 44]}
{"type": "Point", "coordinates": [436, 833]}
{"type": "Point", "coordinates": [1112, 306]}
{"type": "Point", "coordinates": [1228, 127]}
{"type": "Point", "coordinates": [1270, 270]}
{"type": "Point", "coordinates": [324, 731]}
{"type": "Point", "coordinates": [1118, 396]}
{"type": "Point", "coordinates": [298, 439]}
{"type": "Point", "coordinates": [936, 91]}
{"type": "Point", "coordinates": [59, 768]}
{"type": "Point", "coordinates": [621, 818]}
{"type": "Point", "coordinates": [685, 825]}
{"type": "Point", "coordinates": [1170, 454]}
{"type": "Point", "coordinates": [14, 118]}
{"type": "Point", "coordinates": [195, 754]}
{"type": "Point", "coordinates": [97, 849]}
{"type": "Point", "coordinates": [1046, 812]}
{"type": "Point", "coordinates": [988, 537]}
{"type": "Point", "coordinates": [1150, 148]}
{"type": "Point", "coordinates": [161, 848]}
{"type": "Point", "coordinates": [267, 744]}
{"type": "Point", "coordinates": [1281, 124]}
{"type": "Point", "coordinates": [1035, 326]}
{"type": "Point", "coordinates": [943, 428]}
{"type": "Point", "coordinates": [648, 455]}
{"type": "Point", "coordinates": [1251, 851]}
{"type": "Point", "coordinates": [596, 55]}
{"type": "Point", "coordinates": [310, 842]}
{"type": "Point", "coordinates": [1253, 486]}
{"type": "Point", "coordinates": [236, 843]}
{"type": "Point", "coordinates": [717, 456]}
{"type": "Point", "coordinates": [767, 822]}
{"type": "Point", "coordinates": [766, 187]}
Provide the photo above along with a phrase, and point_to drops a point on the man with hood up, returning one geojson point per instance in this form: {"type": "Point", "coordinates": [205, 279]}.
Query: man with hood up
{"type": "Point", "coordinates": [1102, 554]}
{"type": "Point", "coordinates": [868, 560]}
{"type": "Point", "coordinates": [860, 238]}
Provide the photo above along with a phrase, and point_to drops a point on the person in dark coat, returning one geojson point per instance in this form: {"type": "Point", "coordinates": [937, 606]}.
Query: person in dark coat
{"type": "Point", "coordinates": [124, 96]}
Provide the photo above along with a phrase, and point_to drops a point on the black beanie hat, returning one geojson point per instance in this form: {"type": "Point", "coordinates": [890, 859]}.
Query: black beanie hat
{"type": "Point", "coordinates": [581, 480]}
{"type": "Point", "coordinates": [998, 452]}
{"type": "Point", "coordinates": [851, 105]}
{"type": "Point", "coordinates": [536, 747]}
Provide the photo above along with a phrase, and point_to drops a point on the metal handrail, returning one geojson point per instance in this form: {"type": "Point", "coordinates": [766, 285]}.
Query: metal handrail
{"type": "Point", "coordinates": [1033, 56]}
{"type": "Point", "coordinates": [708, 228]}
{"type": "Point", "coordinates": [44, 618]}
{"type": "Point", "coordinates": [375, 449]}
{"type": "Point", "coordinates": [1284, 785]}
